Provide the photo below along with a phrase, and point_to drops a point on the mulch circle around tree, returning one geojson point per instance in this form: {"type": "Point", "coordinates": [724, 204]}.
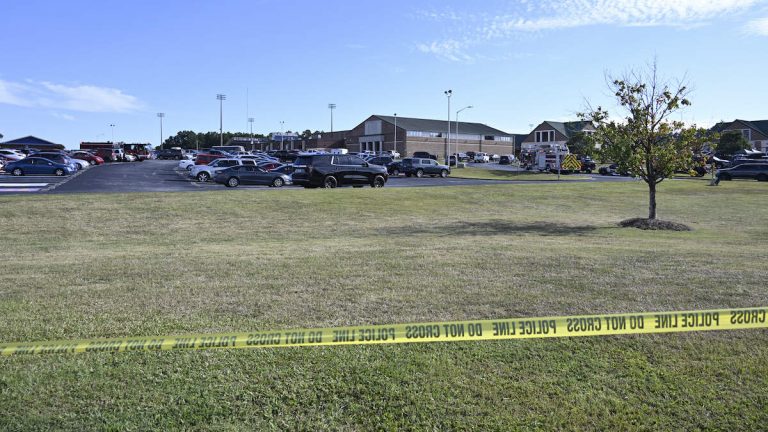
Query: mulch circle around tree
{"type": "Point", "coordinates": [654, 224]}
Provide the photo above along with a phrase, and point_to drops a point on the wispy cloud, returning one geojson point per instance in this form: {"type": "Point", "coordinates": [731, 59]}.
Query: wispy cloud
{"type": "Point", "coordinates": [63, 116]}
{"type": "Point", "coordinates": [87, 98]}
{"type": "Point", "coordinates": [758, 27]}
{"type": "Point", "coordinates": [526, 17]}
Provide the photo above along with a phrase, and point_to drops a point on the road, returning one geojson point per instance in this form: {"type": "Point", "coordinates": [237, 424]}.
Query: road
{"type": "Point", "coordinates": [163, 176]}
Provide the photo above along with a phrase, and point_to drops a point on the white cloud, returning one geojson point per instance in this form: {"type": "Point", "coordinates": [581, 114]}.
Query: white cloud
{"type": "Point", "coordinates": [85, 98]}
{"type": "Point", "coordinates": [63, 116]}
{"type": "Point", "coordinates": [758, 27]}
{"type": "Point", "coordinates": [530, 17]}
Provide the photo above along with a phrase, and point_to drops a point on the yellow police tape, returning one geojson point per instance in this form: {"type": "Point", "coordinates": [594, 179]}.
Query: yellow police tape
{"type": "Point", "coordinates": [501, 329]}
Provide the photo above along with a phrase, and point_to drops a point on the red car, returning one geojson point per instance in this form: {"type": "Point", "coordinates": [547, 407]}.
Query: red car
{"type": "Point", "coordinates": [87, 156]}
{"type": "Point", "coordinates": [206, 158]}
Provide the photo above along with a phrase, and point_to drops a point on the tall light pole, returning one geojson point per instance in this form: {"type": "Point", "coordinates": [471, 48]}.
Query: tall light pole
{"type": "Point", "coordinates": [160, 116]}
{"type": "Point", "coordinates": [112, 125]}
{"type": "Point", "coordinates": [221, 98]}
{"type": "Point", "coordinates": [250, 122]}
{"type": "Point", "coordinates": [457, 134]}
{"type": "Point", "coordinates": [395, 147]}
{"type": "Point", "coordinates": [448, 138]}
{"type": "Point", "coordinates": [282, 134]}
{"type": "Point", "coordinates": [331, 107]}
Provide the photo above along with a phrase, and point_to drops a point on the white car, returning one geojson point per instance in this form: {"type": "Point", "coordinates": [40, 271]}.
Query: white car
{"type": "Point", "coordinates": [12, 155]}
{"type": "Point", "coordinates": [203, 173]}
{"type": "Point", "coordinates": [394, 154]}
{"type": "Point", "coordinates": [482, 157]}
{"type": "Point", "coordinates": [186, 164]}
{"type": "Point", "coordinates": [80, 164]}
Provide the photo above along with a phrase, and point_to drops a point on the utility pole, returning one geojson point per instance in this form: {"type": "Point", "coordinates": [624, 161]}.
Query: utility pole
{"type": "Point", "coordinates": [221, 98]}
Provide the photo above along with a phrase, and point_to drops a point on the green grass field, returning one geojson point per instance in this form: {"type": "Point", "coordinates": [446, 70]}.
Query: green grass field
{"type": "Point", "coordinates": [83, 266]}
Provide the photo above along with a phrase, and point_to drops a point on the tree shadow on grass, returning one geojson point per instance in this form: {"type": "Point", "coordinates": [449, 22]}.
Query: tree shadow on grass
{"type": "Point", "coordinates": [494, 227]}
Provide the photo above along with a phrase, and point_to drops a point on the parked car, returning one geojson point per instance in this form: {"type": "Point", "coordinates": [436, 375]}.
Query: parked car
{"type": "Point", "coordinates": [203, 173]}
{"type": "Point", "coordinates": [395, 168]}
{"type": "Point", "coordinates": [330, 171]}
{"type": "Point", "coordinates": [80, 164]}
{"type": "Point", "coordinates": [424, 155]}
{"type": "Point", "coordinates": [494, 157]}
{"type": "Point", "coordinates": [394, 154]}
{"type": "Point", "coordinates": [55, 156]}
{"type": "Point", "coordinates": [506, 159]}
{"type": "Point", "coordinates": [127, 157]}
{"type": "Point", "coordinates": [756, 171]}
{"type": "Point", "coordinates": [107, 154]}
{"type": "Point", "coordinates": [88, 156]}
{"type": "Point", "coordinates": [186, 164]}
{"type": "Point", "coordinates": [482, 157]}
{"type": "Point", "coordinates": [587, 164]}
{"type": "Point", "coordinates": [39, 166]}
{"type": "Point", "coordinates": [12, 155]}
{"type": "Point", "coordinates": [176, 154]}
{"type": "Point", "coordinates": [205, 158]}
{"type": "Point", "coordinates": [286, 155]}
{"type": "Point", "coordinates": [284, 169]}
{"type": "Point", "coordinates": [612, 170]}
{"type": "Point", "coordinates": [380, 160]}
{"type": "Point", "coordinates": [245, 174]}
{"type": "Point", "coordinates": [420, 167]}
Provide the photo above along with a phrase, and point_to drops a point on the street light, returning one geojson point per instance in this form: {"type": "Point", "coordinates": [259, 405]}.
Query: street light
{"type": "Point", "coordinates": [282, 134]}
{"type": "Point", "coordinates": [250, 121]}
{"type": "Point", "coordinates": [457, 135]}
{"type": "Point", "coordinates": [331, 107]}
{"type": "Point", "coordinates": [112, 125]}
{"type": "Point", "coordinates": [221, 98]}
{"type": "Point", "coordinates": [448, 93]}
{"type": "Point", "coordinates": [395, 147]}
{"type": "Point", "coordinates": [160, 116]}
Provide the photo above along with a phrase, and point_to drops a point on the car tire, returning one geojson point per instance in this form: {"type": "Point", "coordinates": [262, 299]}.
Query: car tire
{"type": "Point", "coordinates": [407, 174]}
{"type": "Point", "coordinates": [233, 182]}
{"type": "Point", "coordinates": [203, 177]}
{"type": "Point", "coordinates": [189, 167]}
{"type": "Point", "coordinates": [419, 173]}
{"type": "Point", "coordinates": [278, 182]}
{"type": "Point", "coordinates": [378, 182]}
{"type": "Point", "coordinates": [59, 172]}
{"type": "Point", "coordinates": [330, 182]}
{"type": "Point", "coordinates": [444, 173]}
{"type": "Point", "coordinates": [762, 177]}
{"type": "Point", "coordinates": [395, 172]}
{"type": "Point", "coordinates": [588, 171]}
{"type": "Point", "coordinates": [17, 172]}
{"type": "Point", "coordinates": [92, 162]}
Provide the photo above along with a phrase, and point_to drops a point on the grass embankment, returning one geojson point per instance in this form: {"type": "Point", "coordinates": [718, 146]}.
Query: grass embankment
{"type": "Point", "coordinates": [491, 174]}
{"type": "Point", "coordinates": [120, 265]}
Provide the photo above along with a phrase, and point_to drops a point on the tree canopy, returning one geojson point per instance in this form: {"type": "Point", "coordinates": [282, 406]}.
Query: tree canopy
{"type": "Point", "coordinates": [731, 142]}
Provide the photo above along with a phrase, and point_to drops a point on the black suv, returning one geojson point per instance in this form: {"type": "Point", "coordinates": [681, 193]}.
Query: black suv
{"type": "Point", "coordinates": [177, 154]}
{"type": "Point", "coordinates": [757, 171]}
{"type": "Point", "coordinates": [420, 167]}
{"type": "Point", "coordinates": [330, 171]}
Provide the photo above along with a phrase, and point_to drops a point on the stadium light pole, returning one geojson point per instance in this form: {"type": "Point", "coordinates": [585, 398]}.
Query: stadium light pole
{"type": "Point", "coordinates": [160, 116]}
{"type": "Point", "coordinates": [332, 107]}
{"type": "Point", "coordinates": [112, 125]}
{"type": "Point", "coordinates": [448, 93]}
{"type": "Point", "coordinates": [221, 98]}
{"type": "Point", "coordinates": [457, 135]}
{"type": "Point", "coordinates": [282, 134]}
{"type": "Point", "coordinates": [250, 122]}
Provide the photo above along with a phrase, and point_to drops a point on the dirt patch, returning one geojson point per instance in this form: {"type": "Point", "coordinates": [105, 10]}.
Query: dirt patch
{"type": "Point", "coordinates": [654, 224]}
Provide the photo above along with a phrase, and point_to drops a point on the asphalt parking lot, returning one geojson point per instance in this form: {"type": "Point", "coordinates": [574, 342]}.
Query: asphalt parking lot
{"type": "Point", "coordinates": [164, 176]}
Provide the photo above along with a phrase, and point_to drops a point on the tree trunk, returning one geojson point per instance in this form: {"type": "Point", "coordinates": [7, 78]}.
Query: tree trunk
{"type": "Point", "coordinates": [652, 200]}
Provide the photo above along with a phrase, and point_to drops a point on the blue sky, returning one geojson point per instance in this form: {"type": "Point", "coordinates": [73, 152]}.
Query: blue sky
{"type": "Point", "coordinates": [70, 69]}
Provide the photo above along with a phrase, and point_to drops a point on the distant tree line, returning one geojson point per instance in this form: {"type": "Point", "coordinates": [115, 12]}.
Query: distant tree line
{"type": "Point", "coordinates": [191, 140]}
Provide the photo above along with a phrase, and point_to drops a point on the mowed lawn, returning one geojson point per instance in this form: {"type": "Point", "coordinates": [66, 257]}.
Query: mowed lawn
{"type": "Point", "coordinates": [83, 266]}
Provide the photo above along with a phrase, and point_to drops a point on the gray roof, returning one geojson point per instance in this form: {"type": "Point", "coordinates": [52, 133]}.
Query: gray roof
{"type": "Point", "coordinates": [426, 125]}
{"type": "Point", "coordinates": [569, 128]}
{"type": "Point", "coordinates": [758, 125]}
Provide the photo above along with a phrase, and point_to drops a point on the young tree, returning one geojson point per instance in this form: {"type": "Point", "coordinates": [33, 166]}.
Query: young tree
{"type": "Point", "coordinates": [731, 142]}
{"type": "Point", "coordinates": [646, 142]}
